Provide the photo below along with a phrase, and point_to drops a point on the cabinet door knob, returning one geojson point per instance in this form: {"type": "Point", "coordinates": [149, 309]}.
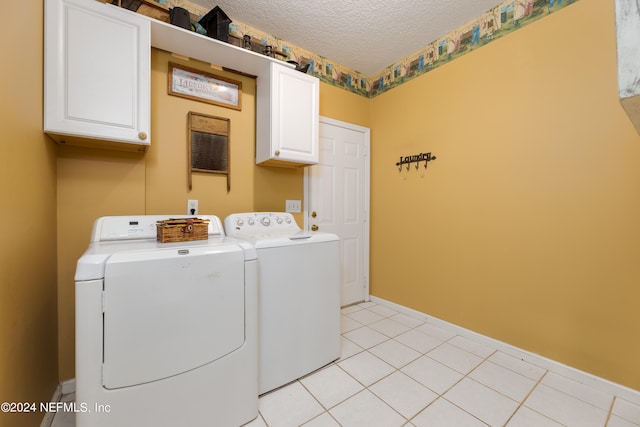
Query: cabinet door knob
{"type": "Point", "coordinates": [277, 153]}
{"type": "Point", "coordinates": [142, 135]}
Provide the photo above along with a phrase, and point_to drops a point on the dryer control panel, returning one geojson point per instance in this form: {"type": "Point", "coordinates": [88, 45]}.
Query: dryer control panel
{"type": "Point", "coordinates": [110, 228]}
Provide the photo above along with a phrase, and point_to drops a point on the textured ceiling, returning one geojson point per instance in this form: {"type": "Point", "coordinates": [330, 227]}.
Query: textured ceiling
{"type": "Point", "coordinates": [366, 36]}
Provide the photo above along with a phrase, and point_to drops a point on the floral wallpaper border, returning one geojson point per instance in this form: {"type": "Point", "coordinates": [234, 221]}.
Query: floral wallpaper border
{"type": "Point", "coordinates": [501, 20]}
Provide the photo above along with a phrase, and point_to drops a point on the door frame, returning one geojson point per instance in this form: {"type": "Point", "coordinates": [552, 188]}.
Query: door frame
{"type": "Point", "coordinates": [367, 190]}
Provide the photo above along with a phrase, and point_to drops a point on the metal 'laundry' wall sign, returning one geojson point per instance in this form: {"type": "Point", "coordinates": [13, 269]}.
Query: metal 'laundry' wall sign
{"type": "Point", "coordinates": [417, 159]}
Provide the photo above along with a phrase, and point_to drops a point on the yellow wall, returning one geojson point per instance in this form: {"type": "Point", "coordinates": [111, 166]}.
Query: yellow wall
{"type": "Point", "coordinates": [527, 226]}
{"type": "Point", "coordinates": [28, 331]}
{"type": "Point", "coordinates": [91, 183]}
{"type": "Point", "coordinates": [341, 105]}
{"type": "Point", "coordinates": [166, 162]}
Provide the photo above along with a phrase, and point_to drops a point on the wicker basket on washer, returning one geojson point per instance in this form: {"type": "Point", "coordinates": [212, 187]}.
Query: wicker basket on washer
{"type": "Point", "coordinates": [182, 229]}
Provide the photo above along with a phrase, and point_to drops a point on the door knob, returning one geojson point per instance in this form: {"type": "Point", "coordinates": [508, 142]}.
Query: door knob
{"type": "Point", "coordinates": [314, 214]}
{"type": "Point", "coordinates": [314, 227]}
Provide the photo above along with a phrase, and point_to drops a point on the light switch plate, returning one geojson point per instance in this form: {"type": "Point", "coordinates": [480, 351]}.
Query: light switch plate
{"type": "Point", "coordinates": [293, 206]}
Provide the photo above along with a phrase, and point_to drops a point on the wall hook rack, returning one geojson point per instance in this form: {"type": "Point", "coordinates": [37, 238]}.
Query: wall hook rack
{"type": "Point", "coordinates": [417, 159]}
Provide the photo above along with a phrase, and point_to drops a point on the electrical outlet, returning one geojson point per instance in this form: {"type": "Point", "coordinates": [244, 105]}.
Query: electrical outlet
{"type": "Point", "coordinates": [293, 206]}
{"type": "Point", "coordinates": [192, 207]}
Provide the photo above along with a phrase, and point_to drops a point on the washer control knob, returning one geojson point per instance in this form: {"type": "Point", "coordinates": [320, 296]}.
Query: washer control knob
{"type": "Point", "coordinates": [279, 220]}
{"type": "Point", "coordinates": [239, 222]}
{"type": "Point", "coordinates": [251, 222]}
{"type": "Point", "coordinates": [266, 221]}
{"type": "Point", "coordinates": [288, 220]}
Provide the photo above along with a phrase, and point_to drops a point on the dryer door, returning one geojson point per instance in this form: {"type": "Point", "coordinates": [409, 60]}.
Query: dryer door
{"type": "Point", "coordinates": [168, 311]}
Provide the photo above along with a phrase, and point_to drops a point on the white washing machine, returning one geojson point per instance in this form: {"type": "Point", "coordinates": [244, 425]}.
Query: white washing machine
{"type": "Point", "coordinates": [166, 333]}
{"type": "Point", "coordinates": [299, 295]}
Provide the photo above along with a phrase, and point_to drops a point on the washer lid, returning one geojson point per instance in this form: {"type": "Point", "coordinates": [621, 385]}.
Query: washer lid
{"type": "Point", "coordinates": [289, 239]}
{"type": "Point", "coordinates": [171, 310]}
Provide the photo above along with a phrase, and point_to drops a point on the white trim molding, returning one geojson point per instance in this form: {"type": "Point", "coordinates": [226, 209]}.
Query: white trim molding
{"type": "Point", "coordinates": [64, 388]}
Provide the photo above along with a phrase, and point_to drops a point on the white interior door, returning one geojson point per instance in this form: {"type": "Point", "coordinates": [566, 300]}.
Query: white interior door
{"type": "Point", "coordinates": [337, 201]}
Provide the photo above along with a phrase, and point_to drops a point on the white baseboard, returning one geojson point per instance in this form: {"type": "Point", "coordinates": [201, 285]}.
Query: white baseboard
{"type": "Point", "coordinates": [582, 377]}
{"type": "Point", "coordinates": [48, 416]}
{"type": "Point", "coordinates": [68, 386]}
{"type": "Point", "coordinates": [65, 387]}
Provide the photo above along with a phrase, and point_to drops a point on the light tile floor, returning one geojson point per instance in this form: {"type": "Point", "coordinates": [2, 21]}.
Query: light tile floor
{"type": "Point", "coordinates": [396, 370]}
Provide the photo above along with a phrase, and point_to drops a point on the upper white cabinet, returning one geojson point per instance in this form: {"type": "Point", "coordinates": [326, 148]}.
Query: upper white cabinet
{"type": "Point", "coordinates": [97, 82]}
{"type": "Point", "coordinates": [628, 35]}
{"type": "Point", "coordinates": [97, 75]}
{"type": "Point", "coordinates": [287, 118]}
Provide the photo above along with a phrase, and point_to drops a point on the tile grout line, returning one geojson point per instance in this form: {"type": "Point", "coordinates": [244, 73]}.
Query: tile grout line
{"type": "Point", "coordinates": [467, 375]}
{"type": "Point", "coordinates": [326, 410]}
{"type": "Point", "coordinates": [365, 387]}
{"type": "Point", "coordinates": [576, 397]}
{"type": "Point", "coordinates": [407, 420]}
{"type": "Point", "coordinates": [613, 401]}
{"type": "Point", "coordinates": [425, 354]}
{"type": "Point", "coordinates": [521, 404]}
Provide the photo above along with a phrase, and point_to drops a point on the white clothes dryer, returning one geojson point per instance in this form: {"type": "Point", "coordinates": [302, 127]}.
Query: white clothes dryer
{"type": "Point", "coordinates": [166, 333]}
{"type": "Point", "coordinates": [298, 293]}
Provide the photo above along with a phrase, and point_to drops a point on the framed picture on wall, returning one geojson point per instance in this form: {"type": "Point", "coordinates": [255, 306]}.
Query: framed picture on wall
{"type": "Point", "coordinates": [204, 87]}
{"type": "Point", "coordinates": [208, 146]}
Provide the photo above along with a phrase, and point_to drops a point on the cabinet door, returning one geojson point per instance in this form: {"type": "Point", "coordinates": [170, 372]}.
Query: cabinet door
{"type": "Point", "coordinates": [294, 115]}
{"type": "Point", "coordinates": [97, 72]}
